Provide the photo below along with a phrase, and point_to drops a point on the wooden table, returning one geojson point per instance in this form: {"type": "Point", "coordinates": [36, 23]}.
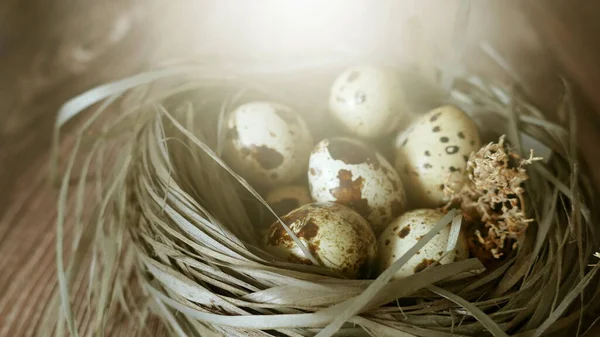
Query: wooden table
{"type": "Point", "coordinates": [48, 53]}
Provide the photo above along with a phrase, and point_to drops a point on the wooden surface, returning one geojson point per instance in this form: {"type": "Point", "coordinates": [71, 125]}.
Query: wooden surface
{"type": "Point", "coordinates": [50, 53]}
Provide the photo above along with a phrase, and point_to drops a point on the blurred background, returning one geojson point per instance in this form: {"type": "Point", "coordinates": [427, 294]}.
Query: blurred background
{"type": "Point", "coordinates": [50, 52]}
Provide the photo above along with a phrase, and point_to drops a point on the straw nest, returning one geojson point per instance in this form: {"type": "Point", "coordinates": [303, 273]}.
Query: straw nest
{"type": "Point", "coordinates": [173, 230]}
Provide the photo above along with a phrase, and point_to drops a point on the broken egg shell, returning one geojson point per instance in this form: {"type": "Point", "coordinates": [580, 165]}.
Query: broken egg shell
{"type": "Point", "coordinates": [433, 147]}
{"type": "Point", "coordinates": [403, 233]}
{"type": "Point", "coordinates": [267, 143]}
{"type": "Point", "coordinates": [338, 237]}
{"type": "Point", "coordinates": [368, 101]}
{"type": "Point", "coordinates": [348, 172]}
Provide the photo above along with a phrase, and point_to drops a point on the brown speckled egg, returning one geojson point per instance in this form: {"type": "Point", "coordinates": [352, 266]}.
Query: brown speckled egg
{"type": "Point", "coordinates": [338, 238]}
{"type": "Point", "coordinates": [285, 199]}
{"type": "Point", "coordinates": [349, 172]}
{"type": "Point", "coordinates": [369, 101]}
{"type": "Point", "coordinates": [433, 147]}
{"type": "Point", "coordinates": [402, 234]}
{"type": "Point", "coordinates": [267, 143]}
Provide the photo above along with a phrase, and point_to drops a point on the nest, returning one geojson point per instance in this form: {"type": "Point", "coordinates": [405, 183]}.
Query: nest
{"type": "Point", "coordinates": [174, 235]}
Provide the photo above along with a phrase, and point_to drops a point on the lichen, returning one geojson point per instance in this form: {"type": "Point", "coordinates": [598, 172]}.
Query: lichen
{"type": "Point", "coordinates": [491, 195]}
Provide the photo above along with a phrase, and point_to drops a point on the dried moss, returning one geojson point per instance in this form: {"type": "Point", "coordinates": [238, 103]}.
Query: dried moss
{"type": "Point", "coordinates": [491, 195]}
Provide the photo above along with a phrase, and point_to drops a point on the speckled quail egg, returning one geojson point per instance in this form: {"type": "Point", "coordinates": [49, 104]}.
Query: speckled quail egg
{"type": "Point", "coordinates": [267, 143]}
{"type": "Point", "coordinates": [348, 172]}
{"type": "Point", "coordinates": [338, 238]}
{"type": "Point", "coordinates": [403, 233]}
{"type": "Point", "coordinates": [369, 101]}
{"type": "Point", "coordinates": [433, 147]}
{"type": "Point", "coordinates": [285, 199]}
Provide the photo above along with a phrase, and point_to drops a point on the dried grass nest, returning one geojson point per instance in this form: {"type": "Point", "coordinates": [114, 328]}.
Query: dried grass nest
{"type": "Point", "coordinates": [171, 233]}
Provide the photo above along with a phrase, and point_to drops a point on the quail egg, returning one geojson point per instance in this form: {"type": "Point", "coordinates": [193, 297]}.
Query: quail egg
{"type": "Point", "coordinates": [403, 233]}
{"type": "Point", "coordinates": [338, 238]}
{"type": "Point", "coordinates": [435, 146]}
{"type": "Point", "coordinates": [349, 172]}
{"type": "Point", "coordinates": [369, 101]}
{"type": "Point", "coordinates": [267, 143]}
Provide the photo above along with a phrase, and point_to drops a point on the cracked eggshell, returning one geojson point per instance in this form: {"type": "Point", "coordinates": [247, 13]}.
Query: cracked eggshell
{"type": "Point", "coordinates": [432, 148]}
{"type": "Point", "coordinates": [406, 231]}
{"type": "Point", "coordinates": [287, 198]}
{"type": "Point", "coordinates": [369, 101]}
{"type": "Point", "coordinates": [349, 172]}
{"type": "Point", "coordinates": [267, 143]}
{"type": "Point", "coordinates": [338, 237]}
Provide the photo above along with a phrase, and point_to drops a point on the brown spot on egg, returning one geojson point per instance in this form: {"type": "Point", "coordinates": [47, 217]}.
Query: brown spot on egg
{"type": "Point", "coordinates": [440, 253]}
{"type": "Point", "coordinates": [466, 158]}
{"type": "Point", "coordinates": [396, 208]}
{"type": "Point", "coordinates": [427, 166]}
{"type": "Point", "coordinates": [452, 149]}
{"type": "Point", "coordinates": [387, 242]}
{"type": "Point", "coordinates": [405, 141]}
{"type": "Point", "coordinates": [424, 264]}
{"type": "Point", "coordinates": [404, 232]}
{"type": "Point", "coordinates": [353, 76]}
{"type": "Point", "coordinates": [461, 135]}
{"type": "Point", "coordinates": [395, 228]}
{"type": "Point", "coordinates": [444, 139]}
{"type": "Point", "coordinates": [277, 235]}
{"type": "Point", "coordinates": [349, 192]}
{"type": "Point", "coordinates": [427, 153]}
{"type": "Point", "coordinates": [352, 153]}
{"type": "Point", "coordinates": [271, 133]}
{"type": "Point", "coordinates": [442, 186]}
{"type": "Point", "coordinates": [418, 252]}
{"type": "Point", "coordinates": [472, 143]}
{"type": "Point", "coordinates": [309, 230]}
{"type": "Point", "coordinates": [286, 115]}
{"type": "Point", "coordinates": [453, 169]}
{"type": "Point", "coordinates": [436, 129]}
{"type": "Point", "coordinates": [266, 157]}
{"type": "Point", "coordinates": [314, 171]}
{"type": "Point", "coordinates": [435, 117]}
{"type": "Point", "coordinates": [285, 205]}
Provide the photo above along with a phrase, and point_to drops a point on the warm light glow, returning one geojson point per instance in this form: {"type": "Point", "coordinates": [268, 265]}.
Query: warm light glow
{"type": "Point", "coordinates": [290, 26]}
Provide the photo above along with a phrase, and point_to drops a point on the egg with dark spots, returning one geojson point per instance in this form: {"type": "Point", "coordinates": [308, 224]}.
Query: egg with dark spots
{"type": "Point", "coordinates": [402, 234]}
{"type": "Point", "coordinates": [434, 147]}
{"type": "Point", "coordinates": [355, 175]}
{"type": "Point", "coordinates": [369, 101]}
{"type": "Point", "coordinates": [336, 236]}
{"type": "Point", "coordinates": [287, 198]}
{"type": "Point", "coordinates": [267, 143]}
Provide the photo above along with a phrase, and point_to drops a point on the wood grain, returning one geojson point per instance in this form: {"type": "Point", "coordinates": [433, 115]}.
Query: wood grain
{"type": "Point", "coordinates": [51, 53]}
